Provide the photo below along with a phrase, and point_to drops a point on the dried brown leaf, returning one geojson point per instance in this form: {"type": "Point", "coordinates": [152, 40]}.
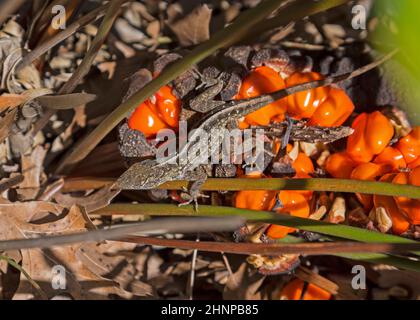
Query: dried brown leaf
{"type": "Point", "coordinates": [81, 282]}
{"type": "Point", "coordinates": [8, 100]}
{"type": "Point", "coordinates": [32, 168]}
{"type": "Point", "coordinates": [6, 124]}
{"type": "Point", "coordinates": [66, 101]}
{"type": "Point", "coordinates": [193, 28]}
{"type": "Point", "coordinates": [244, 284]}
{"type": "Point", "coordinates": [99, 260]}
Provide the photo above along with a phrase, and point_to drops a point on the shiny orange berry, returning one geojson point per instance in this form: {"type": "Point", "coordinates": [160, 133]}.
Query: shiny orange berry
{"type": "Point", "coordinates": [255, 199]}
{"type": "Point", "coordinates": [415, 163]}
{"type": "Point", "coordinates": [303, 164]}
{"type": "Point", "coordinates": [372, 134]}
{"type": "Point", "coordinates": [294, 289]}
{"type": "Point", "coordinates": [340, 165]}
{"type": "Point", "coordinates": [294, 204]}
{"type": "Point", "coordinates": [168, 106]}
{"type": "Point", "coordinates": [410, 145]}
{"type": "Point", "coordinates": [303, 104]}
{"type": "Point", "coordinates": [391, 157]}
{"type": "Point", "coordinates": [414, 177]}
{"type": "Point", "coordinates": [411, 207]}
{"type": "Point", "coordinates": [260, 81]}
{"type": "Point", "coordinates": [334, 111]}
{"type": "Point", "coordinates": [367, 171]}
{"type": "Point", "coordinates": [400, 223]}
{"type": "Point", "coordinates": [145, 119]}
{"type": "Point", "coordinates": [163, 113]}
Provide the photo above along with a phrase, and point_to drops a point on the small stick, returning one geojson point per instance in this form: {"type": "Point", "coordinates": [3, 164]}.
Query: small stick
{"type": "Point", "coordinates": [158, 226]}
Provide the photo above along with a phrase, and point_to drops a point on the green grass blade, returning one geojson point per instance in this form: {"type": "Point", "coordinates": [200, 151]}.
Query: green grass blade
{"type": "Point", "coordinates": [329, 229]}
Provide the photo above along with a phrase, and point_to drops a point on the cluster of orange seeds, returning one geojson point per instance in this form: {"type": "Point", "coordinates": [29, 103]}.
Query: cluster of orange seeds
{"type": "Point", "coordinates": [324, 106]}
{"type": "Point", "coordinates": [295, 203]}
{"type": "Point", "coordinates": [369, 154]}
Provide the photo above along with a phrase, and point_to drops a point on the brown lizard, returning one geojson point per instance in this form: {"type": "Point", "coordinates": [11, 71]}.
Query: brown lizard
{"type": "Point", "coordinates": [150, 174]}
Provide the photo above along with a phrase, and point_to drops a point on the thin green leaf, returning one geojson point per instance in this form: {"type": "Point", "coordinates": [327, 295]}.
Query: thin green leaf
{"type": "Point", "coordinates": [314, 184]}
{"type": "Point", "coordinates": [236, 184]}
{"type": "Point", "coordinates": [339, 231]}
{"type": "Point", "coordinates": [18, 267]}
{"type": "Point", "coordinates": [336, 230]}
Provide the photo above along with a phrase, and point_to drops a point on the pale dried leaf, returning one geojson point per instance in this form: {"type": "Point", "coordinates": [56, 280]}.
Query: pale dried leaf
{"type": "Point", "coordinates": [32, 168]}
{"type": "Point", "coordinates": [6, 124]}
{"type": "Point", "coordinates": [81, 283]}
{"type": "Point", "coordinates": [243, 284]}
{"type": "Point", "coordinates": [13, 100]}
{"type": "Point", "coordinates": [98, 260]}
{"type": "Point", "coordinates": [10, 100]}
{"type": "Point", "coordinates": [66, 101]}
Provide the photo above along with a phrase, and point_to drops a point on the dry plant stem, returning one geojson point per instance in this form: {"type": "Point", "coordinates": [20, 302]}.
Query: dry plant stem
{"type": "Point", "coordinates": [118, 234]}
{"type": "Point", "coordinates": [62, 35]}
{"type": "Point", "coordinates": [237, 184]}
{"type": "Point", "coordinates": [309, 276]}
{"type": "Point", "coordinates": [369, 256]}
{"type": "Point", "coordinates": [158, 226]}
{"type": "Point", "coordinates": [376, 258]}
{"type": "Point", "coordinates": [223, 38]}
{"type": "Point", "coordinates": [106, 25]}
{"type": "Point", "coordinates": [10, 182]}
{"type": "Point", "coordinates": [277, 248]}
{"type": "Point", "coordinates": [71, 8]}
{"type": "Point", "coordinates": [18, 267]}
{"type": "Point", "coordinates": [112, 12]}
{"type": "Point", "coordinates": [8, 7]}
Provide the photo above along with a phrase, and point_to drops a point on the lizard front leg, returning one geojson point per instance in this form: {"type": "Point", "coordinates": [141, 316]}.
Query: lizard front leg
{"type": "Point", "coordinates": [193, 193]}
